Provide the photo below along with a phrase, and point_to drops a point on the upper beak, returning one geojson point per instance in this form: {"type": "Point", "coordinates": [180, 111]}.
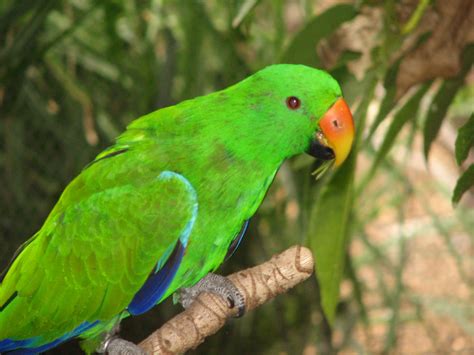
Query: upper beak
{"type": "Point", "coordinates": [335, 139]}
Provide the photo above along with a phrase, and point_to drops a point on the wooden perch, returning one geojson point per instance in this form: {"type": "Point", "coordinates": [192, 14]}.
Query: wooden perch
{"type": "Point", "coordinates": [209, 312]}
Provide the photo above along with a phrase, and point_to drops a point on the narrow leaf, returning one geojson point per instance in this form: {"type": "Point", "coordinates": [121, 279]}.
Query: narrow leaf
{"type": "Point", "coordinates": [465, 182]}
{"type": "Point", "coordinates": [329, 224]}
{"type": "Point", "coordinates": [244, 10]}
{"type": "Point", "coordinates": [443, 99]}
{"type": "Point", "coordinates": [465, 140]}
{"type": "Point", "coordinates": [349, 83]}
{"type": "Point", "coordinates": [390, 84]}
{"type": "Point", "coordinates": [346, 57]}
{"type": "Point", "coordinates": [302, 48]}
{"type": "Point", "coordinates": [415, 17]}
{"type": "Point", "coordinates": [328, 233]}
{"type": "Point", "coordinates": [389, 100]}
{"type": "Point", "coordinates": [407, 112]}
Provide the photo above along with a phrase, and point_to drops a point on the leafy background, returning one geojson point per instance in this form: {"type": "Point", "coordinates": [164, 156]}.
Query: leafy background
{"type": "Point", "coordinates": [391, 230]}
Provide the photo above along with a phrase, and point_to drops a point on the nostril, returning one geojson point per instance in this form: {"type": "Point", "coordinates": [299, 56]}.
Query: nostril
{"type": "Point", "coordinates": [335, 123]}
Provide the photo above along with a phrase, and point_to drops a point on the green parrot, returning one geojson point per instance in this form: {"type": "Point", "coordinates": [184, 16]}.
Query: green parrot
{"type": "Point", "coordinates": [166, 205]}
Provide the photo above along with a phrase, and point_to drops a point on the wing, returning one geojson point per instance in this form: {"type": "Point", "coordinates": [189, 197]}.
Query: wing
{"type": "Point", "coordinates": [92, 261]}
{"type": "Point", "coordinates": [234, 244]}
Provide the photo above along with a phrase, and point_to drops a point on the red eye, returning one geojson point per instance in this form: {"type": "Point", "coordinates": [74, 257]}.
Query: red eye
{"type": "Point", "coordinates": [293, 102]}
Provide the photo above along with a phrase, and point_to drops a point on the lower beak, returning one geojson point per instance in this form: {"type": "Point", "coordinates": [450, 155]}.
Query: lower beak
{"type": "Point", "coordinates": [334, 140]}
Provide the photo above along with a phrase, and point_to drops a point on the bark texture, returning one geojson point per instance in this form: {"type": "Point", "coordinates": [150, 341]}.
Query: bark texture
{"type": "Point", "coordinates": [209, 312]}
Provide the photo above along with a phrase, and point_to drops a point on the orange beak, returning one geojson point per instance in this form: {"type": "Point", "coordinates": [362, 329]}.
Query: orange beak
{"type": "Point", "coordinates": [337, 127]}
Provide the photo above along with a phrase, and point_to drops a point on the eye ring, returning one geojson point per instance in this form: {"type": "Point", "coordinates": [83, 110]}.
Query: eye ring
{"type": "Point", "coordinates": [293, 103]}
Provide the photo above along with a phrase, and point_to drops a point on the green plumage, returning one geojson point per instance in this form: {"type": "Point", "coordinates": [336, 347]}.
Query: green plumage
{"type": "Point", "coordinates": [118, 218]}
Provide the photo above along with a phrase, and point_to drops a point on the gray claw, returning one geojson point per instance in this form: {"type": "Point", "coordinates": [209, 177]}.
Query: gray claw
{"type": "Point", "coordinates": [117, 346]}
{"type": "Point", "coordinates": [216, 284]}
{"type": "Point", "coordinates": [113, 345]}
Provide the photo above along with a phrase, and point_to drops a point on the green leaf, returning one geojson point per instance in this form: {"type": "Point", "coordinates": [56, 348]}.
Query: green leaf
{"type": "Point", "coordinates": [442, 100]}
{"type": "Point", "coordinates": [465, 140]}
{"type": "Point", "coordinates": [346, 57]}
{"type": "Point", "coordinates": [328, 232]}
{"type": "Point", "coordinates": [351, 87]}
{"type": "Point", "coordinates": [415, 17]}
{"type": "Point", "coordinates": [465, 182]}
{"type": "Point", "coordinates": [302, 48]}
{"type": "Point", "coordinates": [389, 99]}
{"type": "Point", "coordinates": [244, 10]}
{"type": "Point", "coordinates": [404, 114]}
{"type": "Point", "coordinates": [390, 84]}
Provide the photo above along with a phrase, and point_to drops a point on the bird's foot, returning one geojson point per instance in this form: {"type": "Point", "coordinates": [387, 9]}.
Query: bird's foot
{"type": "Point", "coordinates": [113, 345]}
{"type": "Point", "coordinates": [117, 346]}
{"type": "Point", "coordinates": [216, 284]}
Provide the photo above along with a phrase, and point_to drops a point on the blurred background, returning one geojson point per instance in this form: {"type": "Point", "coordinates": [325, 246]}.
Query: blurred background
{"type": "Point", "coordinates": [392, 230]}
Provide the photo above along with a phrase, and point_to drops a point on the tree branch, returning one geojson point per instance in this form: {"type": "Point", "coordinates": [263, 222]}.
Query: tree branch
{"type": "Point", "coordinates": [209, 312]}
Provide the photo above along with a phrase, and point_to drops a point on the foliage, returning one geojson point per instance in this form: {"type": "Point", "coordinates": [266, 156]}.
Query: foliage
{"type": "Point", "coordinates": [74, 73]}
{"type": "Point", "coordinates": [464, 143]}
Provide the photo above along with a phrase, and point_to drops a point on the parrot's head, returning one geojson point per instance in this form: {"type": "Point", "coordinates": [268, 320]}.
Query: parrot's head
{"type": "Point", "coordinates": [302, 110]}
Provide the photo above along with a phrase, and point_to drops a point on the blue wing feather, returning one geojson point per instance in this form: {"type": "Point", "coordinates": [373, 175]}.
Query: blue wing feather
{"type": "Point", "coordinates": [23, 347]}
{"type": "Point", "coordinates": [148, 295]}
{"type": "Point", "coordinates": [158, 282]}
{"type": "Point", "coordinates": [236, 241]}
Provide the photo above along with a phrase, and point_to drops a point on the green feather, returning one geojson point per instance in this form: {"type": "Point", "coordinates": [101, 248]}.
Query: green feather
{"type": "Point", "coordinates": [116, 220]}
